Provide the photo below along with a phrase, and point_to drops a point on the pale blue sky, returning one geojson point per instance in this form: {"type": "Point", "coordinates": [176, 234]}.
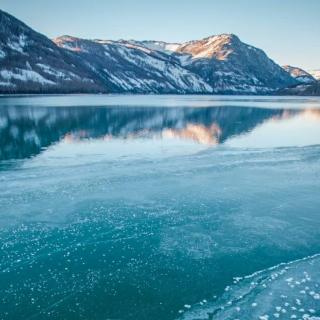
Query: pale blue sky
{"type": "Point", "coordinates": [287, 30]}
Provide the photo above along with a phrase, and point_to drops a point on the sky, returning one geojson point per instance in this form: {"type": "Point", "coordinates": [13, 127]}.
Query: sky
{"type": "Point", "coordinates": [287, 30]}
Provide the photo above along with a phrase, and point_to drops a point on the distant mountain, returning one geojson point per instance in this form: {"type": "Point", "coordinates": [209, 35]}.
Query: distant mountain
{"type": "Point", "coordinates": [223, 62]}
{"type": "Point", "coordinates": [315, 73]}
{"type": "Point", "coordinates": [232, 66]}
{"type": "Point", "coordinates": [302, 90]}
{"type": "Point", "coordinates": [127, 67]}
{"type": "Point", "coordinates": [309, 85]}
{"type": "Point", "coordinates": [227, 64]}
{"type": "Point", "coordinates": [31, 63]}
{"type": "Point", "coordinates": [299, 74]}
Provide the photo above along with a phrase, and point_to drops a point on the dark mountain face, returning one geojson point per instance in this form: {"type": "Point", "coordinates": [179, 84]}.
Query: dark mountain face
{"type": "Point", "coordinates": [30, 62]}
{"type": "Point", "coordinates": [312, 89]}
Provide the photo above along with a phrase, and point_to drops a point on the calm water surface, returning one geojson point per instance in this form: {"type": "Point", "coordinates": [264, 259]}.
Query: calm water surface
{"type": "Point", "coordinates": [159, 207]}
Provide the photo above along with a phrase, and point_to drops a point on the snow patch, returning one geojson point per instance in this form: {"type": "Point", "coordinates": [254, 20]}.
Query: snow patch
{"type": "Point", "coordinates": [315, 74]}
{"type": "Point", "coordinates": [159, 46]}
{"type": "Point", "coordinates": [2, 54]}
{"type": "Point", "coordinates": [19, 44]}
{"type": "Point", "coordinates": [57, 73]}
{"type": "Point", "coordinates": [6, 84]}
{"type": "Point", "coordinates": [24, 75]}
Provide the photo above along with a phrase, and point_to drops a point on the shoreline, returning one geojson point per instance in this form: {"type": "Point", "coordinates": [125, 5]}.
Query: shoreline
{"type": "Point", "coordinates": [151, 94]}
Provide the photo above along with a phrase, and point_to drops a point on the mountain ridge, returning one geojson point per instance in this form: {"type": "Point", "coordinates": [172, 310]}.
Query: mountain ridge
{"type": "Point", "coordinates": [217, 64]}
{"type": "Point", "coordinates": [299, 74]}
{"type": "Point", "coordinates": [132, 68]}
{"type": "Point", "coordinates": [315, 73]}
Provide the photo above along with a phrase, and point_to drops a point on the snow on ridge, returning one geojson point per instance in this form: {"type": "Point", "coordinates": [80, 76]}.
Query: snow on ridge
{"type": "Point", "coordinates": [104, 41]}
{"type": "Point", "coordinates": [212, 39]}
{"type": "Point", "coordinates": [171, 46]}
{"type": "Point", "coordinates": [69, 43]}
{"type": "Point", "coordinates": [299, 74]}
{"type": "Point", "coordinates": [207, 48]}
{"type": "Point", "coordinates": [161, 46]}
{"type": "Point", "coordinates": [315, 73]}
{"type": "Point", "coordinates": [132, 44]}
{"type": "Point", "coordinates": [138, 47]}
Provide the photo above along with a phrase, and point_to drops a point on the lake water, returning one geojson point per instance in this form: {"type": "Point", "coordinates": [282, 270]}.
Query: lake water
{"type": "Point", "coordinates": [159, 207]}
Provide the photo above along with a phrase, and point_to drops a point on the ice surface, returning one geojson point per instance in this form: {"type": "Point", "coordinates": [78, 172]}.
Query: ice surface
{"type": "Point", "coordinates": [126, 212]}
{"type": "Point", "coordinates": [286, 291]}
{"type": "Point", "coordinates": [201, 101]}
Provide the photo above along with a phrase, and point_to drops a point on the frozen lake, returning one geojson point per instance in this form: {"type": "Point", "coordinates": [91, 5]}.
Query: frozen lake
{"type": "Point", "coordinates": [159, 207]}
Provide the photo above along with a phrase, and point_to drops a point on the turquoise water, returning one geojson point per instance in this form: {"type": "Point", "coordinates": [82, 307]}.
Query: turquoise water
{"type": "Point", "coordinates": [159, 207]}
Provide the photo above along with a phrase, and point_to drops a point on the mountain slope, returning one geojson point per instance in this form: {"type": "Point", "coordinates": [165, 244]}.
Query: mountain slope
{"type": "Point", "coordinates": [302, 90]}
{"type": "Point", "coordinates": [232, 66]}
{"type": "Point", "coordinates": [127, 67]}
{"type": "Point", "coordinates": [315, 73]}
{"type": "Point", "coordinates": [299, 74]}
{"type": "Point", "coordinates": [30, 62]}
{"type": "Point", "coordinates": [227, 64]}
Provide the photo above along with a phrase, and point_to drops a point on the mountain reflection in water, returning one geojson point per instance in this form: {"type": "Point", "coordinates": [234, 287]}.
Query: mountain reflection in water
{"type": "Point", "coordinates": [26, 131]}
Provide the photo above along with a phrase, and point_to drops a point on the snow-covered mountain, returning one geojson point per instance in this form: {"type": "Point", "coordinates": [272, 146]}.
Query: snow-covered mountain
{"type": "Point", "coordinates": [299, 74]}
{"type": "Point", "coordinates": [232, 66]}
{"type": "Point", "coordinates": [125, 66]}
{"type": "Point", "coordinates": [227, 64]}
{"type": "Point", "coordinates": [315, 73]}
{"type": "Point", "coordinates": [309, 84]}
{"type": "Point", "coordinates": [31, 63]}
